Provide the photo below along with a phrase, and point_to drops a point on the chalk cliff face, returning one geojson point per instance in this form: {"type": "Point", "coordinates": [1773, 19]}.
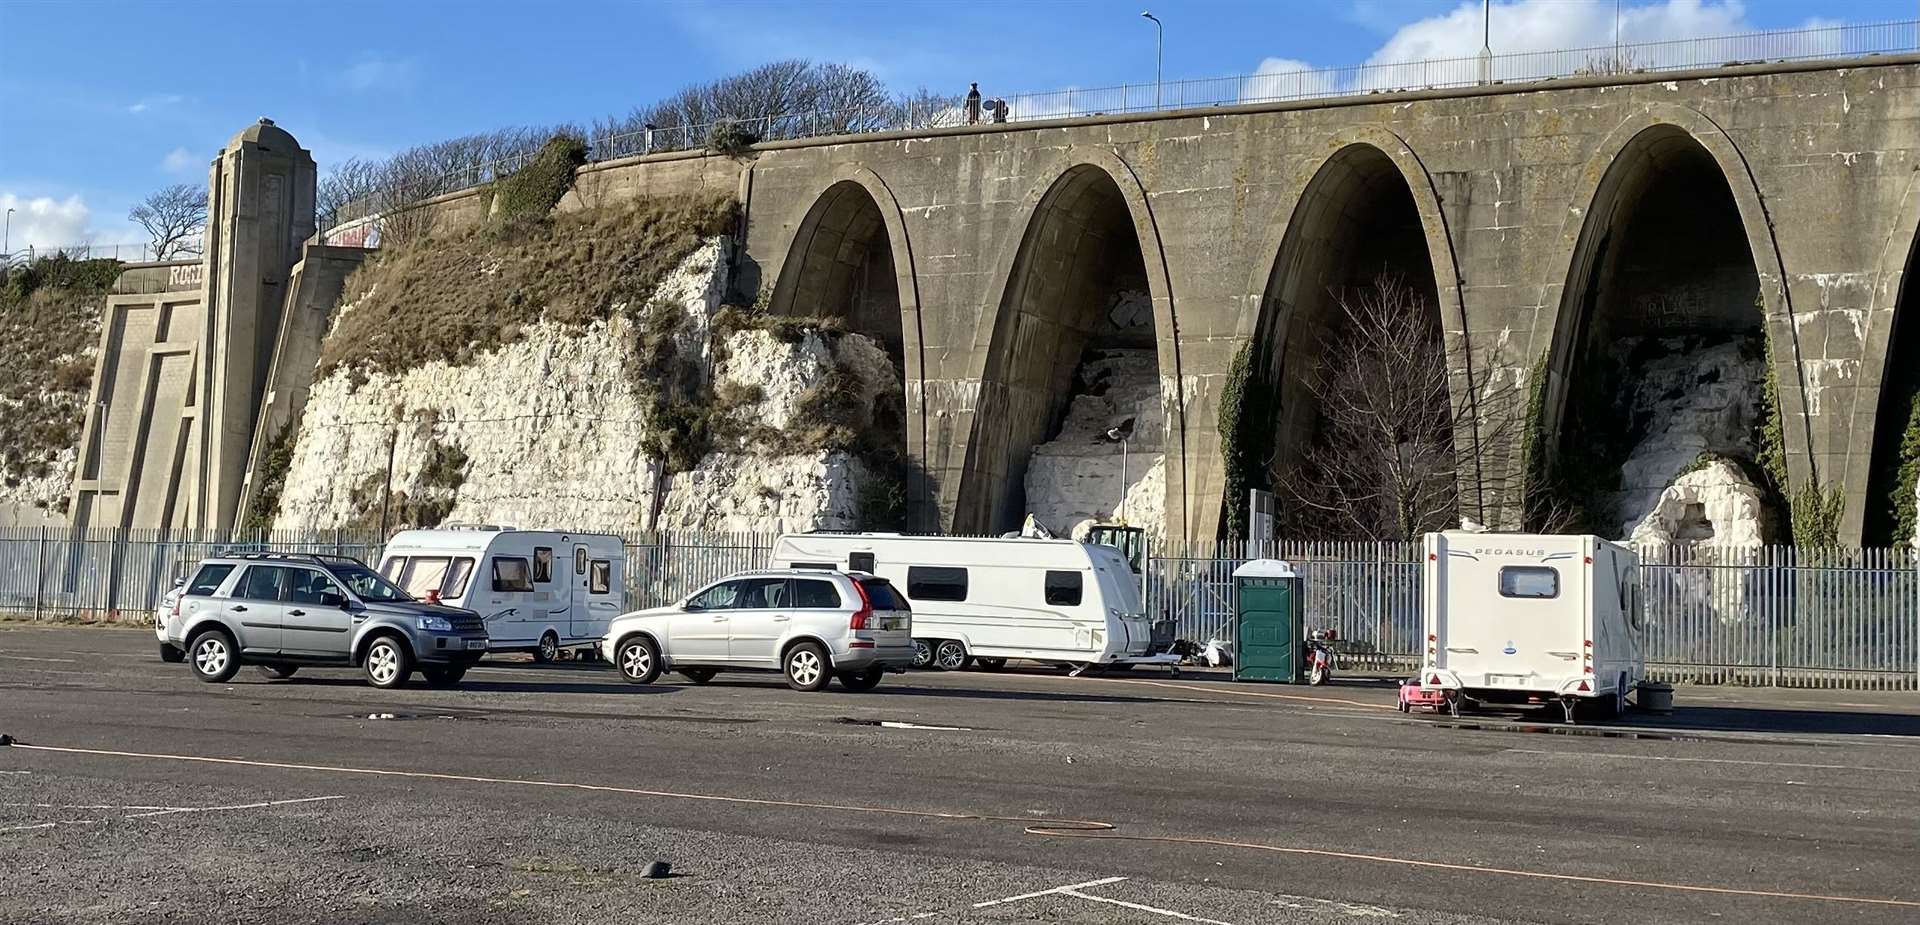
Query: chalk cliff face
{"type": "Point", "coordinates": [1700, 401]}
{"type": "Point", "coordinates": [549, 431]}
{"type": "Point", "coordinates": [1075, 479]}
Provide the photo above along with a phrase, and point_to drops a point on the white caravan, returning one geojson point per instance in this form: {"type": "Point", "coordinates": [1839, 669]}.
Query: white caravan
{"type": "Point", "coordinates": [1532, 619]}
{"type": "Point", "coordinates": [541, 591]}
{"type": "Point", "coordinates": [989, 600]}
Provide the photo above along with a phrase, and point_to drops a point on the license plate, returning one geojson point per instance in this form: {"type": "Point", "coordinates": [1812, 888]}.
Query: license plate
{"type": "Point", "coordinates": [476, 643]}
{"type": "Point", "coordinates": [1511, 680]}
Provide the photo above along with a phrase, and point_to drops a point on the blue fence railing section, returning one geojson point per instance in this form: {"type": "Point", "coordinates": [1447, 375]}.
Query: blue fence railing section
{"type": "Point", "coordinates": [1826, 42]}
{"type": "Point", "coordinates": [1759, 616]}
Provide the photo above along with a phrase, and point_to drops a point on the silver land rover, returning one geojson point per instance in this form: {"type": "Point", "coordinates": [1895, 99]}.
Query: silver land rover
{"type": "Point", "coordinates": [282, 611]}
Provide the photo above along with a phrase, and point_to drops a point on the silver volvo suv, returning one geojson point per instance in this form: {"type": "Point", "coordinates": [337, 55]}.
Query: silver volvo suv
{"type": "Point", "coordinates": [282, 611]}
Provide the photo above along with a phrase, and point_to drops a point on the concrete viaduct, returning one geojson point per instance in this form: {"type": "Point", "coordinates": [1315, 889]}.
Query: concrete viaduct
{"type": "Point", "coordinates": [1775, 198]}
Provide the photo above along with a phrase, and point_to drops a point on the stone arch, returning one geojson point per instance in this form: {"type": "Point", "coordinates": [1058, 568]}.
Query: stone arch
{"type": "Point", "coordinates": [1321, 245]}
{"type": "Point", "coordinates": [1622, 179]}
{"type": "Point", "coordinates": [1896, 297]}
{"type": "Point", "coordinates": [1017, 406]}
{"type": "Point", "coordinates": [850, 257]}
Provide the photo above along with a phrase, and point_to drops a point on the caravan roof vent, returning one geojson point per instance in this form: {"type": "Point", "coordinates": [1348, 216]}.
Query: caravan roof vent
{"type": "Point", "coordinates": [496, 528]}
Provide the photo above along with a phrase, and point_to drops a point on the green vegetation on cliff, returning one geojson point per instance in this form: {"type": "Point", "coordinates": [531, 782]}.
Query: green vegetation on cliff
{"type": "Point", "coordinates": [50, 324]}
{"type": "Point", "coordinates": [457, 296]}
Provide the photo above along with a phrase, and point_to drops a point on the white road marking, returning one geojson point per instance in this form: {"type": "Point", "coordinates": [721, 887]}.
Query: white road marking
{"type": "Point", "coordinates": [30, 658]}
{"type": "Point", "coordinates": [1742, 761]}
{"type": "Point", "coordinates": [83, 806]}
{"type": "Point", "coordinates": [890, 724]}
{"type": "Point", "coordinates": [155, 811]}
{"type": "Point", "coordinates": [1039, 893]}
{"type": "Point", "coordinates": [1169, 913]}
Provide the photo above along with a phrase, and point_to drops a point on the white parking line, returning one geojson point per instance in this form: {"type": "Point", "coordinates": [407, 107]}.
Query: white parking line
{"type": "Point", "coordinates": [1039, 893]}
{"type": "Point", "coordinates": [152, 811]}
{"type": "Point", "coordinates": [29, 658]}
{"type": "Point", "coordinates": [1169, 913]}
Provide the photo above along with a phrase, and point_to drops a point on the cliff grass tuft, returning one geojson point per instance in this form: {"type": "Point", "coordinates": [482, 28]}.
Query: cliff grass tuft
{"type": "Point", "coordinates": [50, 314]}
{"type": "Point", "coordinates": [452, 298]}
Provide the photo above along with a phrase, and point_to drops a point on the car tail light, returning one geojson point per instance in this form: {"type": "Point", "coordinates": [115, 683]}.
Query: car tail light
{"type": "Point", "coordinates": [865, 614]}
{"type": "Point", "coordinates": [176, 606]}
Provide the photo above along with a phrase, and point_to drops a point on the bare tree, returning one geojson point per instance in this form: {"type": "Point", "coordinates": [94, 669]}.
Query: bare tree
{"type": "Point", "coordinates": [1382, 463]}
{"type": "Point", "coordinates": [175, 218]}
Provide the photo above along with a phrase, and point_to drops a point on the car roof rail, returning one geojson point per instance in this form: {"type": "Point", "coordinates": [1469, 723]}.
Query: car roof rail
{"type": "Point", "coordinates": [318, 558]}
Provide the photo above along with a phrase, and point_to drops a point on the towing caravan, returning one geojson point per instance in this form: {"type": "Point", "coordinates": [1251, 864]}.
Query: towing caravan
{"type": "Point", "coordinates": [990, 600]}
{"type": "Point", "coordinates": [1527, 619]}
{"type": "Point", "coordinates": [541, 591]}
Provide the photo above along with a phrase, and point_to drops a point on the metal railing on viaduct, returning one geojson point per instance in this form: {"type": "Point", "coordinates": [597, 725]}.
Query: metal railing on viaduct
{"type": "Point", "coordinates": [1814, 44]}
{"type": "Point", "coordinates": [1751, 616]}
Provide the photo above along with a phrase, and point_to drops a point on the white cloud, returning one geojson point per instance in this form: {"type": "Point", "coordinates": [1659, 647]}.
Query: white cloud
{"type": "Point", "coordinates": [375, 73]}
{"type": "Point", "coordinates": [45, 222]}
{"type": "Point", "coordinates": [181, 160]}
{"type": "Point", "coordinates": [1287, 79]}
{"type": "Point", "coordinates": [1442, 49]}
{"type": "Point", "coordinates": [155, 102]}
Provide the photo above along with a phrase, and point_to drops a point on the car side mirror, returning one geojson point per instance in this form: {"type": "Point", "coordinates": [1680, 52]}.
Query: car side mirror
{"type": "Point", "coordinates": [330, 599]}
{"type": "Point", "coordinates": [180, 582]}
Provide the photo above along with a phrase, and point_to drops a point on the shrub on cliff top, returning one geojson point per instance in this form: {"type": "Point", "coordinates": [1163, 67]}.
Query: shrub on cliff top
{"type": "Point", "coordinates": [454, 298]}
{"type": "Point", "coordinates": [532, 191]}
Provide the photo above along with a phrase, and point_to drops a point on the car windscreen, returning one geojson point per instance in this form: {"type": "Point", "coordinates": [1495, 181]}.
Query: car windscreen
{"type": "Point", "coordinates": [367, 584]}
{"type": "Point", "coordinates": [881, 595]}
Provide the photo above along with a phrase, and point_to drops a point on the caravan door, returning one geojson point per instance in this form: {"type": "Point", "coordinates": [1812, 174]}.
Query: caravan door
{"type": "Point", "coordinates": [580, 599]}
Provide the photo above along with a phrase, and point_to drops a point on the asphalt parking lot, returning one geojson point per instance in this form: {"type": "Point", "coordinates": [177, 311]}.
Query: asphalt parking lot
{"type": "Point", "coordinates": [541, 794]}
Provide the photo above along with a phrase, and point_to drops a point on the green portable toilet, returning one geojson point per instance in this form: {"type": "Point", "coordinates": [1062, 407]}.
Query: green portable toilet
{"type": "Point", "coordinates": [1267, 623]}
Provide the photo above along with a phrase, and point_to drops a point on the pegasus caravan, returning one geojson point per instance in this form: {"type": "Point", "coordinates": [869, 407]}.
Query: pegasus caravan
{"type": "Point", "coordinates": [989, 600]}
{"type": "Point", "coordinates": [541, 591]}
{"type": "Point", "coordinates": [1524, 619]}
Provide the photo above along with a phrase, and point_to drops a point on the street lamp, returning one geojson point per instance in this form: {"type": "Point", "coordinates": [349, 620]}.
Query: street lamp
{"type": "Point", "coordinates": [1159, 52]}
{"type": "Point", "coordinates": [6, 237]}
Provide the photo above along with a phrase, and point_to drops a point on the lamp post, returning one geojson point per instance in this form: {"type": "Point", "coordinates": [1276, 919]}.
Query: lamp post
{"type": "Point", "coordinates": [1486, 42]}
{"type": "Point", "coordinates": [1121, 435]}
{"type": "Point", "coordinates": [1159, 52]}
{"type": "Point", "coordinates": [6, 236]}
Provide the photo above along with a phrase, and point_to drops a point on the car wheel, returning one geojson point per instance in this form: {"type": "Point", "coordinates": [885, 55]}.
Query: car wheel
{"type": "Point", "coordinates": [443, 677]}
{"type": "Point", "coordinates": [215, 658]}
{"type": "Point", "coordinates": [698, 675]}
{"type": "Point", "coordinates": [548, 650]}
{"type": "Point", "coordinates": [991, 664]}
{"type": "Point", "coordinates": [807, 667]}
{"type": "Point", "coordinates": [950, 655]}
{"type": "Point", "coordinates": [279, 672]}
{"type": "Point", "coordinates": [171, 654]}
{"type": "Point", "coordinates": [388, 663]}
{"type": "Point", "coordinates": [639, 660]}
{"type": "Point", "coordinates": [863, 680]}
{"type": "Point", "coordinates": [922, 653]}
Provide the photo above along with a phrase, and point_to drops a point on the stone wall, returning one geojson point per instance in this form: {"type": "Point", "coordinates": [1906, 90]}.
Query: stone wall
{"type": "Point", "coordinates": [1511, 188]}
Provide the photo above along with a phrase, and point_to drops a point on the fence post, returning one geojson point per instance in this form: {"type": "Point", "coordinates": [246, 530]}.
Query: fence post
{"type": "Point", "coordinates": [113, 575]}
{"type": "Point", "coordinates": [39, 573]}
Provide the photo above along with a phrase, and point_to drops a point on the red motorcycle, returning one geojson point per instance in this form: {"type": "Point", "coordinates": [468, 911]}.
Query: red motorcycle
{"type": "Point", "coordinates": [1320, 656]}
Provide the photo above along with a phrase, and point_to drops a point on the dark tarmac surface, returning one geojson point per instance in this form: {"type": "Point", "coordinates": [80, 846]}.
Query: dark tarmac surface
{"type": "Point", "coordinates": [540, 794]}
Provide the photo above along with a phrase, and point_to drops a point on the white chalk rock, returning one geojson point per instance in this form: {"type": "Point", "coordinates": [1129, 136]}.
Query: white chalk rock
{"type": "Point", "coordinates": [1715, 505]}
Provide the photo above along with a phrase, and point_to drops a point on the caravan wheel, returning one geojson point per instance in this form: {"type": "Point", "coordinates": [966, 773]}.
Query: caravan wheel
{"type": "Point", "coordinates": [549, 649]}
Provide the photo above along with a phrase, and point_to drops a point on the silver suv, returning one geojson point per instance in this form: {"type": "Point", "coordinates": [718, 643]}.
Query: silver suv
{"type": "Point", "coordinates": [812, 625]}
{"type": "Point", "coordinates": [281, 611]}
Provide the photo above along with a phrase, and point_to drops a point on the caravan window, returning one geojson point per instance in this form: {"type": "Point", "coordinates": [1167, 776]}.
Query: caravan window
{"type": "Point", "coordinates": [936, 583]}
{"type": "Point", "coordinates": [1063, 589]}
{"type": "Point", "coordinates": [457, 578]}
{"type": "Point", "coordinates": [542, 563]}
{"type": "Point", "coordinates": [1536, 581]}
{"type": "Point", "coordinates": [579, 560]}
{"type": "Point", "coordinates": [860, 562]}
{"type": "Point", "coordinates": [422, 574]}
{"type": "Point", "coordinates": [602, 580]}
{"type": "Point", "coordinates": [512, 574]}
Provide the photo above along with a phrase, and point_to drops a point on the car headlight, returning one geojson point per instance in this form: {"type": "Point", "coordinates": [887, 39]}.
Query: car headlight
{"type": "Point", "coordinates": [436, 624]}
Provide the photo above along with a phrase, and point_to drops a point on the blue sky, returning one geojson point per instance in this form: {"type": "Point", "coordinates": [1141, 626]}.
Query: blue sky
{"type": "Point", "coordinates": [103, 102]}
